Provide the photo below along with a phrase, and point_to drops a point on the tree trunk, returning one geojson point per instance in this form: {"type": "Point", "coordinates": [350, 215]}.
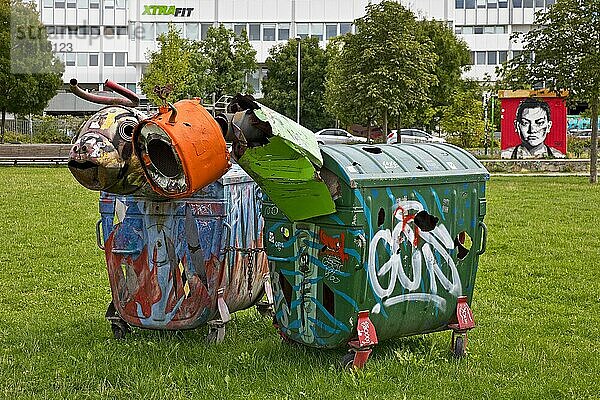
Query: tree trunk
{"type": "Point", "coordinates": [2, 126]}
{"type": "Point", "coordinates": [594, 144]}
{"type": "Point", "coordinates": [385, 122]}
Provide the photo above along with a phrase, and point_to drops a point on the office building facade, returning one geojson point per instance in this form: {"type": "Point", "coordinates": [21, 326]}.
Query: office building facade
{"type": "Point", "coordinates": [109, 39]}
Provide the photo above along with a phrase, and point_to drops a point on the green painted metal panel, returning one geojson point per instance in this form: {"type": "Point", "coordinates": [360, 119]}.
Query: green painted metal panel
{"type": "Point", "coordinates": [301, 139]}
{"type": "Point", "coordinates": [288, 178]}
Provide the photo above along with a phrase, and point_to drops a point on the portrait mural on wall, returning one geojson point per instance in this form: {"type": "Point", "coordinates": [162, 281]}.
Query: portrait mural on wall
{"type": "Point", "coordinates": [533, 127]}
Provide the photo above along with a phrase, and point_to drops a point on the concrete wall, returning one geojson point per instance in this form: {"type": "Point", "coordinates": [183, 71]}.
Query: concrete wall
{"type": "Point", "coordinates": [518, 166]}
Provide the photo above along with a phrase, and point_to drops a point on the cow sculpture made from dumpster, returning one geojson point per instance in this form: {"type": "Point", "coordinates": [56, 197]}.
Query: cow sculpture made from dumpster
{"type": "Point", "coordinates": [364, 242]}
{"type": "Point", "coordinates": [177, 258]}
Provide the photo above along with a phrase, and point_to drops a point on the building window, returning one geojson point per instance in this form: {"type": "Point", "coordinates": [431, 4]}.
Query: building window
{"type": "Point", "coordinates": [82, 3]}
{"type": "Point", "coordinates": [492, 3]}
{"type": "Point", "coordinates": [71, 3]}
{"type": "Point", "coordinates": [83, 30]}
{"type": "Point", "coordinates": [50, 30]}
{"type": "Point", "coordinates": [60, 30]}
{"type": "Point", "coordinates": [316, 31]}
{"type": "Point", "coordinates": [470, 4]}
{"type": "Point", "coordinates": [283, 31]}
{"type": "Point", "coordinates": [254, 32]}
{"type": "Point", "coordinates": [108, 59]}
{"type": "Point", "coordinates": [109, 30]}
{"type": "Point", "coordinates": [59, 4]}
{"type": "Point", "coordinates": [48, 3]}
{"type": "Point", "coordinates": [95, 30]}
{"type": "Point", "coordinates": [147, 31]}
{"type": "Point", "coordinates": [345, 27]}
{"type": "Point", "coordinates": [549, 2]}
{"type": "Point", "coordinates": [502, 56]}
{"type": "Point", "coordinates": [480, 3]}
{"type": "Point", "coordinates": [239, 28]}
{"type": "Point", "coordinates": [191, 31]}
{"type": "Point", "coordinates": [502, 3]}
{"type": "Point", "coordinates": [161, 27]}
{"type": "Point", "coordinates": [120, 59]}
{"type": "Point", "coordinates": [93, 59]}
{"type": "Point", "coordinates": [109, 4]}
{"type": "Point", "coordinates": [70, 59]}
{"type": "Point", "coordinates": [492, 58]}
{"type": "Point", "coordinates": [82, 59]}
{"type": "Point", "coordinates": [458, 30]}
{"type": "Point", "coordinates": [121, 4]}
{"type": "Point", "coordinates": [131, 86]}
{"type": "Point", "coordinates": [480, 57]}
{"type": "Point", "coordinates": [121, 30]}
{"type": "Point", "coordinates": [472, 58]}
{"type": "Point", "coordinates": [302, 30]}
{"type": "Point", "coordinates": [478, 30]}
{"type": "Point", "coordinates": [459, 4]}
{"type": "Point", "coordinates": [95, 4]}
{"type": "Point", "coordinates": [539, 3]}
{"type": "Point", "coordinates": [527, 3]}
{"type": "Point", "coordinates": [467, 30]}
{"type": "Point", "coordinates": [501, 29]}
{"type": "Point", "coordinates": [489, 29]}
{"type": "Point", "coordinates": [71, 30]}
{"type": "Point", "coordinates": [269, 32]}
{"type": "Point", "coordinates": [204, 30]}
{"type": "Point", "coordinates": [330, 31]}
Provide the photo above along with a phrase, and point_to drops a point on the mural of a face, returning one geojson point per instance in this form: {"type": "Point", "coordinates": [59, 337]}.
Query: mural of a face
{"type": "Point", "coordinates": [533, 126]}
{"type": "Point", "coordinates": [101, 156]}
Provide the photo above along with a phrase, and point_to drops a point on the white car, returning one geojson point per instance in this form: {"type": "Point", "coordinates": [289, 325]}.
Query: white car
{"type": "Point", "coordinates": [413, 136]}
{"type": "Point", "coordinates": [337, 136]}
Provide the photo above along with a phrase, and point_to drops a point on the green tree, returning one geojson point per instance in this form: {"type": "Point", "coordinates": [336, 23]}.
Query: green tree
{"type": "Point", "coordinates": [168, 66]}
{"type": "Point", "coordinates": [462, 118]}
{"type": "Point", "coordinates": [29, 73]}
{"type": "Point", "coordinates": [221, 63]}
{"type": "Point", "coordinates": [453, 57]}
{"type": "Point", "coordinates": [383, 70]}
{"type": "Point", "coordinates": [280, 87]}
{"type": "Point", "coordinates": [565, 40]}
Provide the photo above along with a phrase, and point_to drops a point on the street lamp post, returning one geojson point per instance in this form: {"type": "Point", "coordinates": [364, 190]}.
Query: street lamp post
{"type": "Point", "coordinates": [298, 40]}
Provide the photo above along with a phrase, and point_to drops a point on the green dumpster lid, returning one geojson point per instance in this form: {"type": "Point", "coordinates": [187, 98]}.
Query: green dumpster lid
{"type": "Point", "coordinates": [368, 165]}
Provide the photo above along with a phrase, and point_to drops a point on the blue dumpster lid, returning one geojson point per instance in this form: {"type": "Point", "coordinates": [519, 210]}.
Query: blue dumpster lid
{"type": "Point", "coordinates": [368, 165]}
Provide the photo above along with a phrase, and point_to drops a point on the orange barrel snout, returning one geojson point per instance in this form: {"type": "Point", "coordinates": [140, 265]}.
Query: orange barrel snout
{"type": "Point", "coordinates": [181, 149]}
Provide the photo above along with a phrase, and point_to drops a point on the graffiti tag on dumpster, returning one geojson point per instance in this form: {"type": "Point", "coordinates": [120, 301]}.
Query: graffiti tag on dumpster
{"type": "Point", "coordinates": [428, 244]}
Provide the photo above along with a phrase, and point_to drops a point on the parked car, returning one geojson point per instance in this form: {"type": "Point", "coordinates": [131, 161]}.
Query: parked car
{"type": "Point", "coordinates": [337, 136]}
{"type": "Point", "coordinates": [412, 135]}
{"type": "Point", "coordinates": [581, 133]}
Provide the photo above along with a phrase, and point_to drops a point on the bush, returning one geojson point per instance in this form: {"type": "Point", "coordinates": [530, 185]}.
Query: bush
{"type": "Point", "coordinates": [578, 147]}
{"type": "Point", "coordinates": [15, 137]}
{"type": "Point", "coordinates": [49, 129]}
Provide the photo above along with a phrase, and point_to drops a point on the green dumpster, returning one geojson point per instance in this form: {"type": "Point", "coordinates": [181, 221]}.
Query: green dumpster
{"type": "Point", "coordinates": [397, 258]}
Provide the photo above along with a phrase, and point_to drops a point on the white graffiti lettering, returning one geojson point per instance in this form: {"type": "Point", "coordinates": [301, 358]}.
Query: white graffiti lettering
{"type": "Point", "coordinates": [426, 247]}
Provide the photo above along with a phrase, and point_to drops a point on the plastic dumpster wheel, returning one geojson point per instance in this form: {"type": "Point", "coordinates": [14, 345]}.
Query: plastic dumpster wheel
{"type": "Point", "coordinates": [216, 332]}
{"type": "Point", "coordinates": [119, 330]}
{"type": "Point", "coordinates": [459, 347]}
{"type": "Point", "coordinates": [265, 309]}
{"type": "Point", "coordinates": [347, 360]}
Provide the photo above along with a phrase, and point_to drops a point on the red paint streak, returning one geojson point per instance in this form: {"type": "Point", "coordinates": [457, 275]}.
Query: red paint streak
{"type": "Point", "coordinates": [145, 294]}
{"type": "Point", "coordinates": [405, 220]}
{"type": "Point", "coordinates": [335, 246]}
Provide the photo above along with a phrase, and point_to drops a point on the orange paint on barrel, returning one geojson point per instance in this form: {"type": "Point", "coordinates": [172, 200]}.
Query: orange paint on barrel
{"type": "Point", "coordinates": [183, 149]}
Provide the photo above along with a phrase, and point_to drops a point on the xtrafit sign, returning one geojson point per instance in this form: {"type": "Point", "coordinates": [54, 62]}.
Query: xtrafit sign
{"type": "Point", "coordinates": [167, 10]}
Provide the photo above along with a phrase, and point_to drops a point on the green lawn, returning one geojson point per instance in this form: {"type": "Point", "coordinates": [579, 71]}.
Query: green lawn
{"type": "Point", "coordinates": [536, 303]}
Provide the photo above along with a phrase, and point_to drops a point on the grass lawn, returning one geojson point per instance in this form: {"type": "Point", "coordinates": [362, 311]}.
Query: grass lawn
{"type": "Point", "coordinates": [536, 303]}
